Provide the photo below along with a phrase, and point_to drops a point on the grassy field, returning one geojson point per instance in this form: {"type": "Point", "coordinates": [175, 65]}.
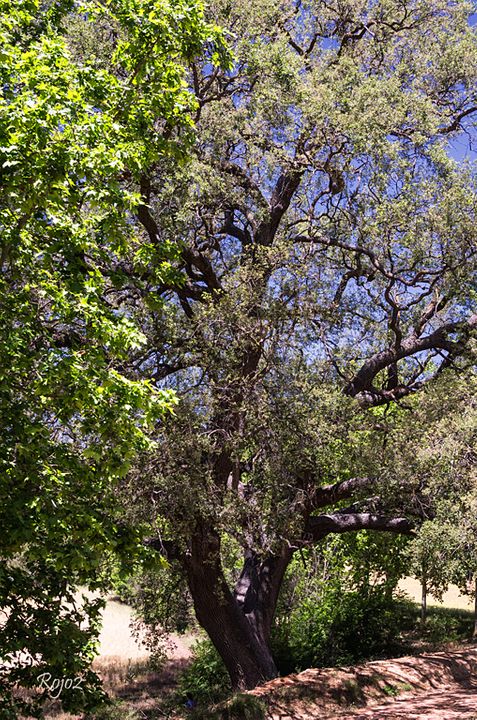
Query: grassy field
{"type": "Point", "coordinates": [117, 639]}
{"type": "Point", "coordinates": [451, 599]}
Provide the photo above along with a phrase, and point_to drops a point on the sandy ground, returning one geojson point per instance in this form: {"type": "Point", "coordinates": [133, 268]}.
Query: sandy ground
{"type": "Point", "coordinates": [440, 705]}
{"type": "Point", "coordinates": [117, 639]}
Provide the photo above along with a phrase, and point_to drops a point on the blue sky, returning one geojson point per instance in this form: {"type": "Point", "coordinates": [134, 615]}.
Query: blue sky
{"type": "Point", "coordinates": [464, 146]}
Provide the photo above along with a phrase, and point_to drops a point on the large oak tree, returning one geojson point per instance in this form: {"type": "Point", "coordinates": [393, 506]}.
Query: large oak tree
{"type": "Point", "coordinates": [326, 275]}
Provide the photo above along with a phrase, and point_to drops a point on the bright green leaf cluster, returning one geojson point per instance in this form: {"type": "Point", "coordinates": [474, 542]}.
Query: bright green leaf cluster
{"type": "Point", "coordinates": [75, 138]}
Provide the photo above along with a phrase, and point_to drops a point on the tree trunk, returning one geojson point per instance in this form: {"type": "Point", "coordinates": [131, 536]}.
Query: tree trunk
{"type": "Point", "coordinates": [240, 631]}
{"type": "Point", "coordinates": [475, 609]}
{"type": "Point", "coordinates": [246, 656]}
{"type": "Point", "coordinates": [424, 598]}
{"type": "Point", "coordinates": [258, 587]}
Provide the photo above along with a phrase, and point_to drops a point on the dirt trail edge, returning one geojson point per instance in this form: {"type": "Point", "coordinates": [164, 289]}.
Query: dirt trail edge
{"type": "Point", "coordinates": [432, 686]}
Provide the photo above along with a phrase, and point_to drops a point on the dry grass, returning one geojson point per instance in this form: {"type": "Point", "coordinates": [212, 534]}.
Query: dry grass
{"type": "Point", "coordinates": [117, 640]}
{"type": "Point", "coordinates": [142, 691]}
{"type": "Point", "coordinates": [451, 599]}
{"type": "Point", "coordinates": [123, 666]}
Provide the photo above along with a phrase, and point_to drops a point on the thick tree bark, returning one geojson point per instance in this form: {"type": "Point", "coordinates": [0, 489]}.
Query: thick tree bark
{"type": "Point", "coordinates": [241, 634]}
{"type": "Point", "coordinates": [319, 526]}
{"type": "Point", "coordinates": [258, 588]}
{"type": "Point", "coordinates": [239, 624]}
{"type": "Point", "coordinates": [474, 634]}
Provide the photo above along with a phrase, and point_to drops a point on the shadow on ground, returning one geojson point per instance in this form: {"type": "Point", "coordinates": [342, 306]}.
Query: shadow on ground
{"type": "Point", "coordinates": [432, 678]}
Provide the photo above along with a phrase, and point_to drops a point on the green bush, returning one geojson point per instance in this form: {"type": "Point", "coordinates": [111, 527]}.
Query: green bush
{"type": "Point", "coordinates": [444, 625]}
{"type": "Point", "coordinates": [239, 707]}
{"type": "Point", "coordinates": [205, 681]}
{"type": "Point", "coordinates": [341, 629]}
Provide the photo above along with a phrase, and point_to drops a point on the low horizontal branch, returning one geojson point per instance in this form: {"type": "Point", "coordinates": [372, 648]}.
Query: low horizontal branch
{"type": "Point", "coordinates": [319, 526]}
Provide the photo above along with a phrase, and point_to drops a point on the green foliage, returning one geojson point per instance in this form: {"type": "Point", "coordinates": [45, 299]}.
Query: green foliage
{"type": "Point", "coordinates": [239, 707]}
{"type": "Point", "coordinates": [443, 550]}
{"type": "Point", "coordinates": [342, 629]}
{"type": "Point", "coordinates": [343, 607]}
{"type": "Point", "coordinates": [244, 706]}
{"type": "Point", "coordinates": [205, 683]}
{"type": "Point", "coordinates": [72, 419]}
{"type": "Point", "coordinates": [205, 680]}
{"type": "Point", "coordinates": [340, 606]}
{"type": "Point", "coordinates": [446, 625]}
{"type": "Point", "coordinates": [161, 598]}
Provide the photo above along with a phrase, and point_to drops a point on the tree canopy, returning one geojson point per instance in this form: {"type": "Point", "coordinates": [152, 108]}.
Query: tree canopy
{"type": "Point", "coordinates": [327, 258]}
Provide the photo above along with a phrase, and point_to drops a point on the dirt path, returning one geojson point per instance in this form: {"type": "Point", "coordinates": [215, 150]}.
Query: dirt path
{"type": "Point", "coordinates": [431, 686]}
{"type": "Point", "coordinates": [439, 705]}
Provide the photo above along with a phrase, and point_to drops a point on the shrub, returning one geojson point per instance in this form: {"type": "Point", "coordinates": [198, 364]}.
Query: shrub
{"type": "Point", "coordinates": [239, 707]}
{"type": "Point", "coordinates": [205, 680]}
{"type": "Point", "coordinates": [444, 625]}
{"type": "Point", "coordinates": [341, 629]}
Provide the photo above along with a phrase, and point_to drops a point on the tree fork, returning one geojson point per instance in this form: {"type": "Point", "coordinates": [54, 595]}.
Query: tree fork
{"type": "Point", "coordinates": [242, 645]}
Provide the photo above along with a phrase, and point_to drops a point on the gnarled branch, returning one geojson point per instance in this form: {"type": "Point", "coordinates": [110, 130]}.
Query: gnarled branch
{"type": "Point", "coordinates": [329, 494]}
{"type": "Point", "coordinates": [319, 526]}
{"type": "Point", "coordinates": [361, 386]}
